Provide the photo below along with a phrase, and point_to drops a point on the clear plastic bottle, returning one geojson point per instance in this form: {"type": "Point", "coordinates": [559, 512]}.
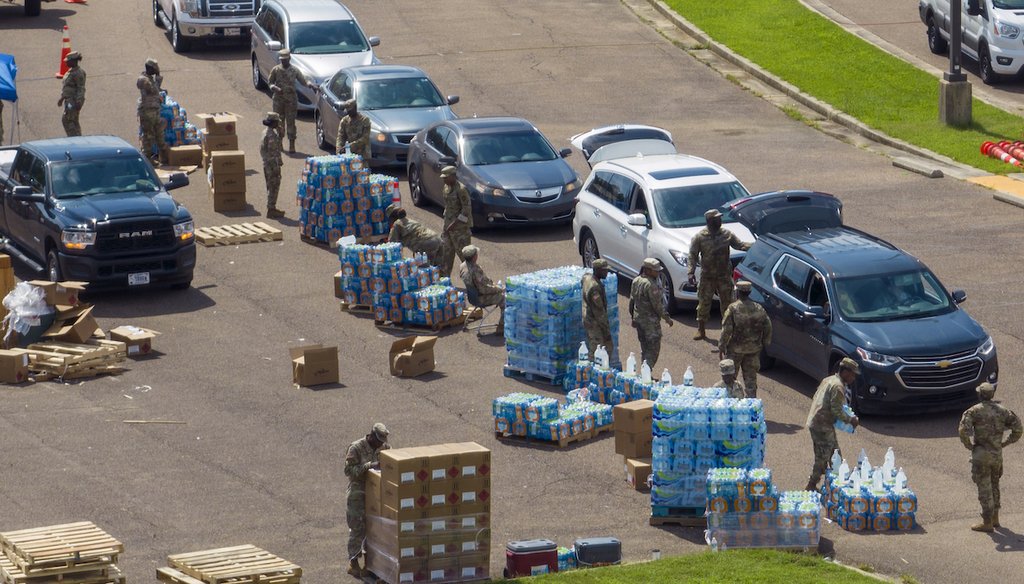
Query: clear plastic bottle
{"type": "Point", "coordinates": [583, 355]}
{"type": "Point", "coordinates": [861, 457]}
{"type": "Point", "coordinates": [688, 377]}
{"type": "Point", "coordinates": [843, 472]}
{"type": "Point", "coordinates": [837, 459]}
{"type": "Point", "coordinates": [889, 462]}
{"type": "Point", "coordinates": [631, 365]}
{"type": "Point", "coordinates": [601, 357]}
{"type": "Point", "coordinates": [901, 480]}
{"type": "Point", "coordinates": [645, 372]}
{"type": "Point", "coordinates": [666, 378]}
{"type": "Point", "coordinates": [714, 544]}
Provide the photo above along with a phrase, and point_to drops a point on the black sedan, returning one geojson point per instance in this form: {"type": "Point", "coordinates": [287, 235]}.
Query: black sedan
{"type": "Point", "coordinates": [512, 172]}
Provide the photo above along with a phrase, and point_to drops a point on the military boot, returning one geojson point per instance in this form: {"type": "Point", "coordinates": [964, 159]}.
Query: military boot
{"type": "Point", "coordinates": [354, 569]}
{"type": "Point", "coordinates": [986, 524]}
{"type": "Point", "coordinates": [995, 518]}
{"type": "Point", "coordinates": [811, 486]}
{"type": "Point", "coordinates": [701, 333]}
{"type": "Point", "coordinates": [274, 213]}
{"type": "Point", "coordinates": [291, 145]}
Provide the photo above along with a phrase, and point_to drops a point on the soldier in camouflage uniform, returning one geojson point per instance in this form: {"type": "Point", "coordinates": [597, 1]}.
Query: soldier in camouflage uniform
{"type": "Point", "coordinates": [746, 331]}
{"type": "Point", "coordinates": [416, 236]}
{"type": "Point", "coordinates": [270, 152]}
{"type": "Point", "coordinates": [647, 309]}
{"type": "Point", "coordinates": [458, 216]}
{"type": "Point", "coordinates": [987, 422]}
{"type": "Point", "coordinates": [710, 247]}
{"type": "Point", "coordinates": [285, 98]}
{"type": "Point", "coordinates": [488, 293]}
{"type": "Point", "coordinates": [362, 455]}
{"type": "Point", "coordinates": [595, 309]}
{"type": "Point", "coordinates": [72, 94]}
{"type": "Point", "coordinates": [826, 408]}
{"type": "Point", "coordinates": [354, 130]}
{"type": "Point", "coordinates": [735, 388]}
{"type": "Point", "coordinates": [152, 125]}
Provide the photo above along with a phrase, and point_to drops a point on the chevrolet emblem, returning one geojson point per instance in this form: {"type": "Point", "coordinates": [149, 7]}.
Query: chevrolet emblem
{"type": "Point", "coordinates": [944, 364]}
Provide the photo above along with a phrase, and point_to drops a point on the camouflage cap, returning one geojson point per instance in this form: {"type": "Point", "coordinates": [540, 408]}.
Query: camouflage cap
{"type": "Point", "coordinates": [849, 364]}
{"type": "Point", "coordinates": [652, 264]}
{"type": "Point", "coordinates": [743, 286]}
{"type": "Point", "coordinates": [392, 210]}
{"type": "Point", "coordinates": [986, 390]}
{"type": "Point", "coordinates": [727, 367]}
{"type": "Point", "coordinates": [448, 171]}
{"type": "Point", "coordinates": [380, 431]}
{"type": "Point", "coordinates": [273, 117]}
{"type": "Point", "coordinates": [600, 264]}
{"type": "Point", "coordinates": [73, 56]}
{"type": "Point", "coordinates": [470, 251]}
{"type": "Point", "coordinates": [152, 63]}
{"type": "Point", "coordinates": [712, 214]}
{"type": "Point", "coordinates": [284, 54]}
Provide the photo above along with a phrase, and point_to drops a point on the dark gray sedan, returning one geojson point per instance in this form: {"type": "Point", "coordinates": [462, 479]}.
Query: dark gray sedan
{"type": "Point", "coordinates": [399, 101]}
{"type": "Point", "coordinates": [512, 172]}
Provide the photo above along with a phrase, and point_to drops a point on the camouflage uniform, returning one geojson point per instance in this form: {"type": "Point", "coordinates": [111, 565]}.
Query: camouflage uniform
{"type": "Point", "coordinates": [489, 293]}
{"type": "Point", "coordinates": [72, 91]}
{"type": "Point", "coordinates": [746, 330]}
{"type": "Point", "coordinates": [735, 390]}
{"type": "Point", "coordinates": [357, 133]}
{"type": "Point", "coordinates": [419, 238]}
{"type": "Point", "coordinates": [595, 315]}
{"type": "Point", "coordinates": [150, 122]}
{"type": "Point", "coordinates": [458, 222]}
{"type": "Point", "coordinates": [826, 408]}
{"type": "Point", "coordinates": [270, 152]}
{"type": "Point", "coordinates": [647, 308]}
{"type": "Point", "coordinates": [986, 423]}
{"type": "Point", "coordinates": [286, 99]}
{"type": "Point", "coordinates": [716, 271]}
{"type": "Point", "coordinates": [359, 458]}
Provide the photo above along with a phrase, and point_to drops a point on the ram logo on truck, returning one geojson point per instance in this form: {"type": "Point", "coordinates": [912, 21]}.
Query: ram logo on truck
{"type": "Point", "coordinates": [131, 234]}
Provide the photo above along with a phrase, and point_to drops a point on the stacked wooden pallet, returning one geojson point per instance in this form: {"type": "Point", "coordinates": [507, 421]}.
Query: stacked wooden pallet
{"type": "Point", "coordinates": [72, 553]}
{"type": "Point", "coordinates": [236, 234]}
{"type": "Point", "coordinates": [244, 564]}
{"type": "Point", "coordinates": [60, 360]}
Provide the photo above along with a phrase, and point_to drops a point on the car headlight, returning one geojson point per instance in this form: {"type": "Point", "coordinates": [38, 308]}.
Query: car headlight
{"type": "Point", "coordinates": [1004, 29]}
{"type": "Point", "coordinates": [572, 186]}
{"type": "Point", "coordinates": [184, 231]}
{"type": "Point", "coordinates": [379, 136]}
{"type": "Point", "coordinates": [987, 347]}
{"type": "Point", "coordinates": [489, 190]}
{"type": "Point", "coordinates": [77, 239]}
{"type": "Point", "coordinates": [683, 259]}
{"type": "Point", "coordinates": [191, 7]}
{"type": "Point", "coordinates": [877, 358]}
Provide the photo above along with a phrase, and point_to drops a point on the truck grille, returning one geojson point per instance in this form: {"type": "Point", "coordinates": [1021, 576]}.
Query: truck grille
{"type": "Point", "coordinates": [134, 236]}
{"type": "Point", "coordinates": [921, 375]}
{"type": "Point", "coordinates": [222, 8]}
{"type": "Point", "coordinates": [404, 138]}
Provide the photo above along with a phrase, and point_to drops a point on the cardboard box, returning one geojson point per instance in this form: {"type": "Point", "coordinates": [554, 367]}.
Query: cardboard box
{"type": "Point", "coordinates": [219, 123]}
{"type": "Point", "coordinates": [633, 445]}
{"type": "Point", "coordinates": [227, 182]}
{"type": "Point", "coordinates": [138, 340]}
{"type": "Point", "coordinates": [405, 465]}
{"type": "Point", "coordinates": [634, 417]}
{"type": "Point", "coordinates": [74, 325]}
{"type": "Point", "coordinates": [13, 365]}
{"type": "Point", "coordinates": [61, 293]}
{"type": "Point", "coordinates": [391, 569]}
{"type": "Point", "coordinates": [338, 292]}
{"type": "Point", "coordinates": [314, 365]}
{"type": "Point", "coordinates": [637, 471]}
{"type": "Point", "coordinates": [458, 461]}
{"type": "Point", "coordinates": [411, 356]}
{"type": "Point", "coordinates": [227, 161]}
{"type": "Point", "coordinates": [7, 281]}
{"type": "Point", "coordinates": [228, 201]}
{"type": "Point", "coordinates": [416, 513]}
{"type": "Point", "coordinates": [216, 143]}
{"type": "Point", "coordinates": [188, 155]}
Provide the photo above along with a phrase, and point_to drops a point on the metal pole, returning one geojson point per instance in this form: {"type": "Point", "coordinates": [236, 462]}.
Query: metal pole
{"type": "Point", "coordinates": [955, 56]}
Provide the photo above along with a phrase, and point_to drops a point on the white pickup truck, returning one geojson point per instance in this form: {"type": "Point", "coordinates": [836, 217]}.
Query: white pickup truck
{"type": "Point", "coordinates": [991, 33]}
{"type": "Point", "coordinates": [189, 21]}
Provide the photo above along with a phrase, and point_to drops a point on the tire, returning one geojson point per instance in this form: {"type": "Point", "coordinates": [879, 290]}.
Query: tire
{"type": "Point", "coordinates": [985, 71]}
{"type": "Point", "coordinates": [588, 250]}
{"type": "Point", "coordinates": [321, 134]}
{"type": "Point", "coordinates": [416, 194]}
{"type": "Point", "coordinates": [671, 305]}
{"type": "Point", "coordinates": [33, 7]}
{"type": "Point", "coordinates": [936, 44]}
{"type": "Point", "coordinates": [53, 271]}
{"type": "Point", "coordinates": [257, 79]}
{"type": "Point", "coordinates": [182, 285]}
{"type": "Point", "coordinates": [178, 42]}
{"type": "Point", "coordinates": [156, 14]}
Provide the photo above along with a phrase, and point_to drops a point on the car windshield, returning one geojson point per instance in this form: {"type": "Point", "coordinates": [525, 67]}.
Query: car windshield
{"type": "Point", "coordinates": [502, 148]}
{"type": "Point", "coordinates": [400, 92]}
{"type": "Point", "coordinates": [329, 36]}
{"type": "Point", "coordinates": [1008, 4]}
{"type": "Point", "coordinates": [892, 296]}
{"type": "Point", "coordinates": [77, 178]}
{"type": "Point", "coordinates": [685, 206]}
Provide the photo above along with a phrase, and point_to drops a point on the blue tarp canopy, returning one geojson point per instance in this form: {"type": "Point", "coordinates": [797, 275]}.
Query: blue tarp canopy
{"type": "Point", "coordinates": [8, 71]}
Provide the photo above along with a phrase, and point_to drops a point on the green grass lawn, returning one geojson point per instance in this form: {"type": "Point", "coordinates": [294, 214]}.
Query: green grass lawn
{"type": "Point", "coordinates": [886, 93]}
{"type": "Point", "coordinates": [731, 567]}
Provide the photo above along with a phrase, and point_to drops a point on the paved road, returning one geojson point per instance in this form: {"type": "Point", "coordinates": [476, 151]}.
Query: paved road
{"type": "Point", "coordinates": [260, 461]}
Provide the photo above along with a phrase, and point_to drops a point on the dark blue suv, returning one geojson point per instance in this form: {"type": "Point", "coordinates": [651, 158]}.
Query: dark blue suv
{"type": "Point", "coordinates": [839, 292]}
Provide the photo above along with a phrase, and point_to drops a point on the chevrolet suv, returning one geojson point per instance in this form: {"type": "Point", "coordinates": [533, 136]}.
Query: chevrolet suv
{"type": "Point", "coordinates": [839, 292]}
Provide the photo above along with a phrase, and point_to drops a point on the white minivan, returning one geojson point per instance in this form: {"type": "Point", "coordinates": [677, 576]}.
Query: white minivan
{"type": "Point", "coordinates": [992, 36]}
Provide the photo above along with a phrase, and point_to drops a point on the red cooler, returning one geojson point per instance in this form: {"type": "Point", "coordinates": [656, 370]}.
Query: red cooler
{"type": "Point", "coordinates": [530, 558]}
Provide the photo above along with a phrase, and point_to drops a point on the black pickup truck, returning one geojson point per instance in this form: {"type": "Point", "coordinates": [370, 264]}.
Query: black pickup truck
{"type": "Point", "coordinates": [91, 208]}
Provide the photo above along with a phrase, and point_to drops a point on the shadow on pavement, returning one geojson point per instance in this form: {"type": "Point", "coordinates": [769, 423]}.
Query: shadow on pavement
{"type": "Point", "coordinates": [138, 304]}
{"type": "Point", "coordinates": [943, 425]}
{"type": "Point", "coordinates": [1007, 540]}
{"type": "Point", "coordinates": [12, 17]}
{"type": "Point", "coordinates": [783, 428]}
{"type": "Point", "coordinates": [694, 535]}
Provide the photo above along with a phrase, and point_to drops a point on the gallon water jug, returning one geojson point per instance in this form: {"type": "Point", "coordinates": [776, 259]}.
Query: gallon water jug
{"type": "Point", "coordinates": [631, 364]}
{"type": "Point", "coordinates": [645, 372]}
{"type": "Point", "coordinates": [688, 377]}
{"type": "Point", "coordinates": [666, 378]}
{"type": "Point", "coordinates": [583, 355]}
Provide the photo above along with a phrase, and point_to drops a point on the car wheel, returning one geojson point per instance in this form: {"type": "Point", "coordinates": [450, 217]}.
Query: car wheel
{"type": "Point", "coordinates": [416, 187]}
{"type": "Point", "coordinates": [321, 134]}
{"type": "Point", "coordinates": [936, 44]}
{"type": "Point", "coordinates": [257, 79]}
{"type": "Point", "coordinates": [182, 285]}
{"type": "Point", "coordinates": [53, 271]}
{"type": "Point", "coordinates": [667, 291]}
{"type": "Point", "coordinates": [588, 250]}
{"type": "Point", "coordinates": [156, 14]}
{"type": "Point", "coordinates": [988, 75]}
{"type": "Point", "coordinates": [178, 42]}
{"type": "Point", "coordinates": [33, 7]}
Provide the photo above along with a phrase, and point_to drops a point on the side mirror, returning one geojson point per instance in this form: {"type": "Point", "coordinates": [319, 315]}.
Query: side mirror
{"type": "Point", "coordinates": [565, 152]}
{"type": "Point", "coordinates": [176, 181]}
{"type": "Point", "coordinates": [638, 219]}
{"type": "Point", "coordinates": [273, 46]}
{"type": "Point", "coordinates": [959, 296]}
{"type": "Point", "coordinates": [453, 99]}
{"type": "Point", "coordinates": [374, 41]}
{"type": "Point", "coordinates": [24, 193]}
{"type": "Point", "coordinates": [974, 7]}
{"type": "Point", "coordinates": [815, 312]}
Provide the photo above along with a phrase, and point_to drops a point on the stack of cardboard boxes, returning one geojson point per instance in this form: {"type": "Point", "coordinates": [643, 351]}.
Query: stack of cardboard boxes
{"type": "Point", "coordinates": [633, 436]}
{"type": "Point", "coordinates": [224, 162]}
{"type": "Point", "coordinates": [428, 514]}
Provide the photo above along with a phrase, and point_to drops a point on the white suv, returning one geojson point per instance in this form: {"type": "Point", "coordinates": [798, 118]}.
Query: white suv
{"type": "Point", "coordinates": [643, 199]}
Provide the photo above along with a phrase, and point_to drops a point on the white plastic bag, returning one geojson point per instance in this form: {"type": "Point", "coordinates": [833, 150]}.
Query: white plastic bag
{"type": "Point", "coordinates": [25, 305]}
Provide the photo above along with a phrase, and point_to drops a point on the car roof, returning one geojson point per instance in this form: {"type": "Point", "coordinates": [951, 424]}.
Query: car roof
{"type": "Point", "coordinates": [81, 147]}
{"type": "Point", "coordinates": [670, 170]}
{"type": "Point", "coordinates": [847, 252]}
{"type": "Point", "coordinates": [492, 125]}
{"type": "Point", "coordinates": [314, 10]}
{"type": "Point", "coordinates": [365, 72]}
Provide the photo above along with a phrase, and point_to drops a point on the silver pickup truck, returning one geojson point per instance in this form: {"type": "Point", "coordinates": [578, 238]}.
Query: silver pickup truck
{"type": "Point", "coordinates": [189, 21]}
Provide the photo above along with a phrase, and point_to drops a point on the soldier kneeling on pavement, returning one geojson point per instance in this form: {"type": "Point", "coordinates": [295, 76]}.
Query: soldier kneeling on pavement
{"type": "Point", "coordinates": [417, 237]}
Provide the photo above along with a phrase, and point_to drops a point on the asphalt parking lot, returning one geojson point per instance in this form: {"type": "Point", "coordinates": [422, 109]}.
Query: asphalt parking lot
{"type": "Point", "coordinates": [259, 461]}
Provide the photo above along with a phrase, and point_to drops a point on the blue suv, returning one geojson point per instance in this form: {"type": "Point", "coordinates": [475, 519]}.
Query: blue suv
{"type": "Point", "coordinates": [838, 292]}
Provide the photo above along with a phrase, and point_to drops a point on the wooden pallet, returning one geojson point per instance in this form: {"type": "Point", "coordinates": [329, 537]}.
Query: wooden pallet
{"type": "Point", "coordinates": [467, 314]}
{"type": "Point", "coordinates": [240, 233]}
{"type": "Point", "coordinates": [684, 516]}
{"type": "Point", "coordinates": [561, 443]}
{"type": "Point", "coordinates": [12, 574]}
{"type": "Point", "coordinates": [60, 360]}
{"type": "Point", "coordinates": [533, 376]}
{"type": "Point", "coordinates": [244, 564]}
{"type": "Point", "coordinates": [60, 549]}
{"type": "Point", "coordinates": [369, 240]}
{"type": "Point", "coordinates": [356, 308]}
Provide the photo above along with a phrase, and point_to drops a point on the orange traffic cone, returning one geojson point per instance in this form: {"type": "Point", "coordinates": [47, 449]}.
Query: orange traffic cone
{"type": "Point", "coordinates": [1012, 149]}
{"type": "Point", "coordinates": [993, 151]}
{"type": "Point", "coordinates": [76, 1]}
{"type": "Point", "coordinates": [65, 49]}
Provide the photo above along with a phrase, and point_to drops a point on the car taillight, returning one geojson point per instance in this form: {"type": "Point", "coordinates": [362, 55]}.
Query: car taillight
{"type": "Point", "coordinates": [737, 275]}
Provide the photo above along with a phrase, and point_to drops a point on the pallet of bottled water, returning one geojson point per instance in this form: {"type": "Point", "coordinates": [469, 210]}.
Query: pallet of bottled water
{"type": "Point", "coordinates": [178, 131]}
{"type": "Point", "coordinates": [339, 197]}
{"type": "Point", "coordinates": [745, 509]}
{"type": "Point", "coordinates": [527, 415]}
{"type": "Point", "coordinates": [866, 498]}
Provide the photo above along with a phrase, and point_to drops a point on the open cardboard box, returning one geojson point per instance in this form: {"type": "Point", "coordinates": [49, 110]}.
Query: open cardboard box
{"type": "Point", "coordinates": [72, 324]}
{"type": "Point", "coordinates": [412, 356]}
{"type": "Point", "coordinates": [61, 293]}
{"type": "Point", "coordinates": [314, 365]}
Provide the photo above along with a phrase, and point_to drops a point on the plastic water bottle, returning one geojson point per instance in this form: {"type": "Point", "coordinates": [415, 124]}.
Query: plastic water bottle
{"type": "Point", "coordinates": [601, 357]}
{"type": "Point", "coordinates": [843, 472]}
{"type": "Point", "coordinates": [688, 377]}
{"type": "Point", "coordinates": [645, 372]}
{"type": "Point", "coordinates": [901, 480]}
{"type": "Point", "coordinates": [876, 480]}
{"type": "Point", "coordinates": [865, 471]}
{"type": "Point", "coordinates": [666, 378]}
{"type": "Point", "coordinates": [889, 463]}
{"type": "Point", "coordinates": [861, 457]}
{"type": "Point", "coordinates": [714, 544]}
{"type": "Point", "coordinates": [631, 365]}
{"type": "Point", "coordinates": [837, 459]}
{"type": "Point", "coordinates": [583, 356]}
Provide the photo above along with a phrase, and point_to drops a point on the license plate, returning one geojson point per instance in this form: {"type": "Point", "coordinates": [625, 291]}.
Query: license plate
{"type": "Point", "coordinates": [232, 32]}
{"type": "Point", "coordinates": [138, 279]}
